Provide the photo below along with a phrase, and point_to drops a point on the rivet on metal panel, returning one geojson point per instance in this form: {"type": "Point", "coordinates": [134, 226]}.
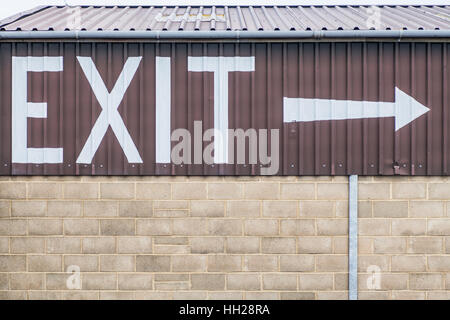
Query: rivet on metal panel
{"type": "Point", "coordinates": [396, 168]}
{"type": "Point", "coordinates": [293, 127]}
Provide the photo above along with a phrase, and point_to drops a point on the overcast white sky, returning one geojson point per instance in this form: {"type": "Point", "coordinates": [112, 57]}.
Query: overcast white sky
{"type": "Point", "coordinates": [8, 8]}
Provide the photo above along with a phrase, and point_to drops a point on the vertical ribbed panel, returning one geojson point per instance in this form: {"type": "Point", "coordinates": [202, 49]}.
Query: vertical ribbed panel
{"type": "Point", "coordinates": [340, 71]}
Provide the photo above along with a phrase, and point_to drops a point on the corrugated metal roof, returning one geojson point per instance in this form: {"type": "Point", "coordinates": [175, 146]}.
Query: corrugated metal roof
{"type": "Point", "coordinates": [228, 18]}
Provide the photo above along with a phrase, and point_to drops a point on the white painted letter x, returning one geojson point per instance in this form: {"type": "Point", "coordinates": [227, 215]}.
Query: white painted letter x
{"type": "Point", "coordinates": [109, 101]}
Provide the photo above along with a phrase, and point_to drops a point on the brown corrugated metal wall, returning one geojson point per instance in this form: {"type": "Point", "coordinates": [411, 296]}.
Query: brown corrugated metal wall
{"type": "Point", "coordinates": [343, 71]}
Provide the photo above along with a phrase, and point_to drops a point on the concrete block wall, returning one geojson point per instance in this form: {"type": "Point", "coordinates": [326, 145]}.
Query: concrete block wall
{"type": "Point", "coordinates": [222, 237]}
{"type": "Point", "coordinates": [404, 229]}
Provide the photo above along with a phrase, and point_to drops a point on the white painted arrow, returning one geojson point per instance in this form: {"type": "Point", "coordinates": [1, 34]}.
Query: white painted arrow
{"type": "Point", "coordinates": [405, 109]}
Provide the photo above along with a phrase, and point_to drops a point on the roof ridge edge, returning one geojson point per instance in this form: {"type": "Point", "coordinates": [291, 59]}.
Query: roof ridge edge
{"type": "Point", "coordinates": [23, 14]}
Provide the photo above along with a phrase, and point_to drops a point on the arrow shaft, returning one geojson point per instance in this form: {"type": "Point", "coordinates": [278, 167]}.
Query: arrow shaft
{"type": "Point", "coordinates": [303, 110]}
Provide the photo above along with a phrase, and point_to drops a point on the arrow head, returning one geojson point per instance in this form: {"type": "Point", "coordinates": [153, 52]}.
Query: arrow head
{"type": "Point", "coordinates": [407, 109]}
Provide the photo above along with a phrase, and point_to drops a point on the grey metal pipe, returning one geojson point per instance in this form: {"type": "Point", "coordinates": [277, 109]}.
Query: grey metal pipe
{"type": "Point", "coordinates": [353, 238]}
{"type": "Point", "coordinates": [210, 35]}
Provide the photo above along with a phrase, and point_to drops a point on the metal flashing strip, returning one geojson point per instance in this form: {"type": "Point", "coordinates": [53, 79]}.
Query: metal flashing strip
{"type": "Point", "coordinates": [159, 35]}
